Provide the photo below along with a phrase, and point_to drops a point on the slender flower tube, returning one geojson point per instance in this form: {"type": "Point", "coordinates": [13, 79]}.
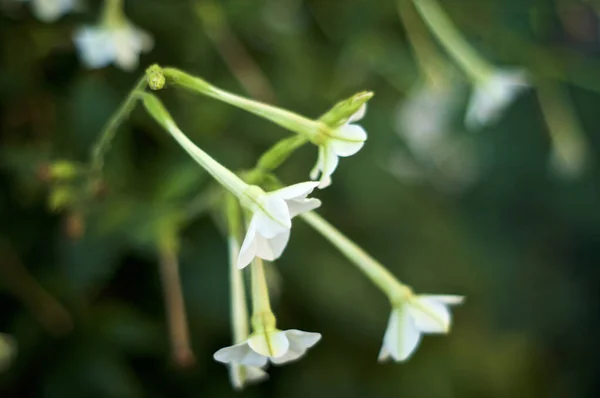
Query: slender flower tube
{"type": "Point", "coordinates": [334, 133]}
{"type": "Point", "coordinates": [495, 88]}
{"type": "Point", "coordinates": [240, 375]}
{"type": "Point", "coordinates": [266, 343]}
{"type": "Point", "coordinates": [115, 39]}
{"type": "Point", "coordinates": [412, 314]}
{"type": "Point", "coordinates": [272, 212]}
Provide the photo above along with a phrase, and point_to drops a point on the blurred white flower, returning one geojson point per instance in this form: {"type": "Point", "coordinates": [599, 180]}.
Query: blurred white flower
{"type": "Point", "coordinates": [343, 141]}
{"type": "Point", "coordinates": [120, 43]}
{"type": "Point", "coordinates": [51, 10]}
{"type": "Point", "coordinates": [276, 346]}
{"type": "Point", "coordinates": [409, 319]}
{"type": "Point", "coordinates": [8, 350]}
{"type": "Point", "coordinates": [491, 97]}
{"type": "Point", "coordinates": [269, 229]}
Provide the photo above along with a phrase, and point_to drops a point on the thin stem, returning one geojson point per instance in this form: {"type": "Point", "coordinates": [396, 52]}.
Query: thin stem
{"type": "Point", "coordinates": [260, 291]}
{"type": "Point", "coordinates": [237, 58]}
{"type": "Point", "coordinates": [174, 304]}
{"type": "Point", "coordinates": [428, 58]}
{"type": "Point", "coordinates": [568, 140]}
{"type": "Point", "coordinates": [239, 309]}
{"type": "Point", "coordinates": [477, 68]}
{"type": "Point", "coordinates": [49, 312]}
{"type": "Point", "coordinates": [108, 133]}
{"type": "Point", "coordinates": [376, 272]}
{"type": "Point", "coordinates": [112, 14]}
{"type": "Point", "coordinates": [278, 153]}
{"type": "Point", "coordinates": [282, 117]}
{"type": "Point", "coordinates": [220, 173]}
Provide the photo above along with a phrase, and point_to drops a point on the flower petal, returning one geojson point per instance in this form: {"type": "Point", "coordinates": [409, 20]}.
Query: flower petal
{"type": "Point", "coordinates": [273, 216]}
{"type": "Point", "coordinates": [300, 341]}
{"type": "Point", "coordinates": [95, 46]}
{"type": "Point", "coordinates": [51, 10]}
{"type": "Point", "coordinates": [401, 337]}
{"type": "Point", "coordinates": [302, 206]}
{"type": "Point", "coordinates": [330, 163]}
{"type": "Point", "coordinates": [242, 375]}
{"type": "Point", "coordinates": [318, 167]}
{"type": "Point", "coordinates": [359, 114]}
{"type": "Point", "coordinates": [296, 191]}
{"type": "Point", "coordinates": [270, 344]}
{"type": "Point", "coordinates": [348, 140]}
{"type": "Point", "coordinates": [271, 249]}
{"type": "Point", "coordinates": [249, 246]}
{"type": "Point", "coordinates": [430, 314]}
{"type": "Point", "coordinates": [240, 354]}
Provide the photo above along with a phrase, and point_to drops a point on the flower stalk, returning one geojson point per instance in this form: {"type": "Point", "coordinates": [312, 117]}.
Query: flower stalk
{"type": "Point", "coordinates": [376, 272]}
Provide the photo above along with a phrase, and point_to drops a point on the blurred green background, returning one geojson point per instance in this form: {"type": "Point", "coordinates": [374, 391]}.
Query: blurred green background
{"type": "Point", "coordinates": [492, 220]}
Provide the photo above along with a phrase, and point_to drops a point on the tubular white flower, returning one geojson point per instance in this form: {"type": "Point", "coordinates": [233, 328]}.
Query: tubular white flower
{"type": "Point", "coordinates": [120, 44]}
{"type": "Point", "coordinates": [276, 346]}
{"type": "Point", "coordinates": [493, 95]}
{"type": "Point", "coordinates": [418, 315]}
{"type": "Point", "coordinates": [343, 141]}
{"type": "Point", "coordinates": [269, 229]}
{"type": "Point", "coordinates": [51, 10]}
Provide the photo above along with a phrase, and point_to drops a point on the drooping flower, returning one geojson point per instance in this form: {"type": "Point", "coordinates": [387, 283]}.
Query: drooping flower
{"type": "Point", "coordinates": [120, 44]}
{"type": "Point", "coordinates": [269, 229]}
{"type": "Point", "coordinates": [51, 10]}
{"type": "Point", "coordinates": [276, 346]}
{"type": "Point", "coordinates": [423, 314]}
{"type": "Point", "coordinates": [345, 140]}
{"type": "Point", "coordinates": [492, 96]}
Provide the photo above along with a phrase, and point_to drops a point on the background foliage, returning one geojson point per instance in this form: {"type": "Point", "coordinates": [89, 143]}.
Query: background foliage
{"type": "Point", "coordinates": [519, 241]}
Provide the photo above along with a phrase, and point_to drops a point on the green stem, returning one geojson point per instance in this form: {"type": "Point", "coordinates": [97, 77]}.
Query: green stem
{"type": "Point", "coordinates": [477, 68]}
{"type": "Point", "coordinates": [108, 133]}
{"type": "Point", "coordinates": [260, 291]}
{"type": "Point", "coordinates": [377, 273]}
{"type": "Point", "coordinates": [220, 173]}
{"type": "Point", "coordinates": [113, 14]}
{"type": "Point", "coordinates": [239, 309]}
{"type": "Point", "coordinates": [282, 117]}
{"type": "Point", "coordinates": [278, 153]}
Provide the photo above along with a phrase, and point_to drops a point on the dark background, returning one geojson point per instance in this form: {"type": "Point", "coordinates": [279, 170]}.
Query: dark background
{"type": "Point", "coordinates": [520, 241]}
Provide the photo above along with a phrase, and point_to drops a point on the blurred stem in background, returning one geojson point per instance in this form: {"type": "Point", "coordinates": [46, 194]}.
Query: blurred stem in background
{"type": "Point", "coordinates": [233, 52]}
{"type": "Point", "coordinates": [108, 133]}
{"type": "Point", "coordinates": [430, 61]}
{"type": "Point", "coordinates": [173, 295]}
{"type": "Point", "coordinates": [377, 273]}
{"type": "Point", "coordinates": [48, 311]}
{"type": "Point", "coordinates": [570, 154]}
{"type": "Point", "coordinates": [475, 66]}
{"type": "Point", "coordinates": [113, 12]}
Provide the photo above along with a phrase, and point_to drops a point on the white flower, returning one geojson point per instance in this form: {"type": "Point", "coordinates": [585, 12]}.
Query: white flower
{"type": "Point", "coordinates": [343, 141]}
{"type": "Point", "coordinates": [51, 10]}
{"type": "Point", "coordinates": [277, 346]}
{"type": "Point", "coordinates": [418, 315]}
{"type": "Point", "coordinates": [242, 375]}
{"type": "Point", "coordinates": [491, 97]}
{"type": "Point", "coordinates": [269, 229]}
{"type": "Point", "coordinates": [121, 43]}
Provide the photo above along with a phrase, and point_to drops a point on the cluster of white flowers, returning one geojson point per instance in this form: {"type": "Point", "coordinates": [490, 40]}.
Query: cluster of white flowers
{"type": "Point", "coordinates": [114, 40]}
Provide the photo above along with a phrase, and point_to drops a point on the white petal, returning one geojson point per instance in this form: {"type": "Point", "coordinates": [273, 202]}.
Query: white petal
{"type": "Point", "coordinates": [240, 354]}
{"type": "Point", "coordinates": [401, 337]}
{"type": "Point", "coordinates": [330, 163]}
{"type": "Point", "coordinates": [95, 46]}
{"type": "Point", "coordinates": [129, 43]}
{"type": "Point", "coordinates": [299, 342]}
{"type": "Point", "coordinates": [242, 375]}
{"type": "Point", "coordinates": [451, 299]}
{"type": "Point", "coordinates": [271, 249]}
{"type": "Point", "coordinates": [296, 191]}
{"type": "Point", "coordinates": [249, 246]}
{"type": "Point", "coordinates": [318, 167]}
{"type": "Point", "coordinates": [491, 98]}
{"type": "Point", "coordinates": [431, 314]}
{"type": "Point", "coordinates": [51, 10]}
{"type": "Point", "coordinates": [273, 218]}
{"type": "Point", "coordinates": [271, 344]}
{"type": "Point", "coordinates": [302, 206]}
{"type": "Point", "coordinates": [348, 140]}
{"type": "Point", "coordinates": [359, 114]}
